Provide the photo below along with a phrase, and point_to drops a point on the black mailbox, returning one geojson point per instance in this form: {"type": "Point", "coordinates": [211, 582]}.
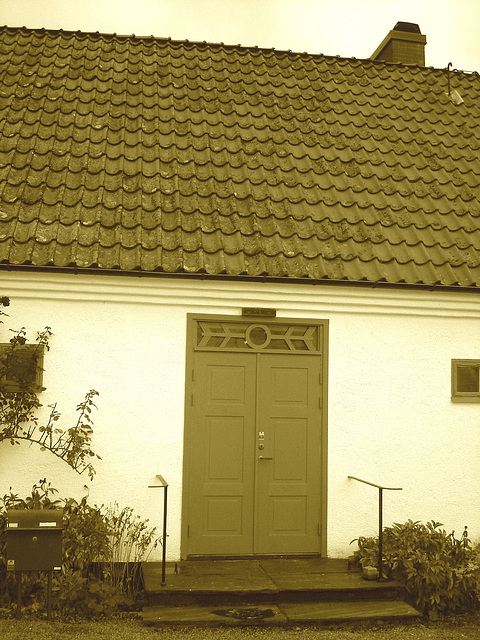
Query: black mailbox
{"type": "Point", "coordinates": [34, 539]}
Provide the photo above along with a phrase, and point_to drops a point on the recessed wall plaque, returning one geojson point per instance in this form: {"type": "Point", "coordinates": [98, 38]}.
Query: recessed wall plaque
{"type": "Point", "coordinates": [259, 311]}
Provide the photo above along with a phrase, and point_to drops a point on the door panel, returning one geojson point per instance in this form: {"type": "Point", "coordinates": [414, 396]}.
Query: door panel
{"type": "Point", "coordinates": [288, 486]}
{"type": "Point", "coordinates": [221, 487]}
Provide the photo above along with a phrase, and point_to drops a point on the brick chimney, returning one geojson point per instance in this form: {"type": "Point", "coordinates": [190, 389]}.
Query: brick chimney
{"type": "Point", "coordinates": [405, 44]}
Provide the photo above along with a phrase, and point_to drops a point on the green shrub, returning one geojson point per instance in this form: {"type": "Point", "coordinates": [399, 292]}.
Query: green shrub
{"type": "Point", "coordinates": [102, 554]}
{"type": "Point", "coordinates": [440, 573]}
{"type": "Point", "coordinates": [78, 595]}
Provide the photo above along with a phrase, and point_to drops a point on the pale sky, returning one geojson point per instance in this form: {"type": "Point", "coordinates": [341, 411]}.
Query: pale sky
{"type": "Point", "coordinates": [350, 28]}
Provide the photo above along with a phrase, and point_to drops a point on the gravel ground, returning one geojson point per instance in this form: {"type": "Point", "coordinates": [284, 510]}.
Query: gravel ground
{"type": "Point", "coordinates": [461, 629]}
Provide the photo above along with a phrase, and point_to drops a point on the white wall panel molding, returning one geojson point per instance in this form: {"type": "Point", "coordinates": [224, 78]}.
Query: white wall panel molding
{"type": "Point", "coordinates": [204, 295]}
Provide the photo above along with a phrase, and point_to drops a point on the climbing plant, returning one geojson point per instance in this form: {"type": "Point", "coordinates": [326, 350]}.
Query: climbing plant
{"type": "Point", "coordinates": [19, 403]}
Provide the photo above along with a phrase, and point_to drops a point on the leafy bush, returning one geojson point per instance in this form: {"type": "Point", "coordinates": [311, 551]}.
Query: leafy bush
{"type": "Point", "coordinates": [440, 573]}
{"type": "Point", "coordinates": [102, 554]}
{"type": "Point", "coordinates": [89, 596]}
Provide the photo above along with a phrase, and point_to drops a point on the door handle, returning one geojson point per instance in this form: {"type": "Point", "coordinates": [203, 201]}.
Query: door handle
{"type": "Point", "coordinates": [264, 458]}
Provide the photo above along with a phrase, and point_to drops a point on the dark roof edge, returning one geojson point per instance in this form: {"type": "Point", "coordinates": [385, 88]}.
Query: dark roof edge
{"type": "Point", "coordinates": [290, 52]}
{"type": "Point", "coordinates": [243, 278]}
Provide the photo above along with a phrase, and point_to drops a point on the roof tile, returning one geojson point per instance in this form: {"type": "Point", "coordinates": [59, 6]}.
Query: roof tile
{"type": "Point", "coordinates": [154, 155]}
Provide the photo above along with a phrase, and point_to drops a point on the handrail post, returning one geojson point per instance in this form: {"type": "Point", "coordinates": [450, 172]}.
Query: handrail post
{"type": "Point", "coordinates": [160, 482]}
{"type": "Point", "coordinates": [164, 543]}
{"type": "Point", "coordinates": [380, 519]}
{"type": "Point", "coordinates": [380, 533]}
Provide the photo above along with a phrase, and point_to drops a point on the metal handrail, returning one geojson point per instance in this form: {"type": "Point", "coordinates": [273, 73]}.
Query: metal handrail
{"type": "Point", "coordinates": [162, 485]}
{"type": "Point", "coordinates": [380, 488]}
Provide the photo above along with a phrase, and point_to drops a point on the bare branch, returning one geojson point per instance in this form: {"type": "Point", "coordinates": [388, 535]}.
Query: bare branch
{"type": "Point", "coordinates": [18, 419]}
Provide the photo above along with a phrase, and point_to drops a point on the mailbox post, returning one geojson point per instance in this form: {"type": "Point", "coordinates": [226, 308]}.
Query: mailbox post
{"type": "Point", "coordinates": [34, 543]}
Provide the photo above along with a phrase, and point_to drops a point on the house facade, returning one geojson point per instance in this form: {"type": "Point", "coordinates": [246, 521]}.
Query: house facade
{"type": "Point", "coordinates": [267, 265]}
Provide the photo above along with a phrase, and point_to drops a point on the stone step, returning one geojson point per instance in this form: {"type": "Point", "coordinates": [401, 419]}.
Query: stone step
{"type": "Point", "coordinates": [233, 583]}
{"type": "Point", "coordinates": [361, 592]}
{"type": "Point", "coordinates": [268, 614]}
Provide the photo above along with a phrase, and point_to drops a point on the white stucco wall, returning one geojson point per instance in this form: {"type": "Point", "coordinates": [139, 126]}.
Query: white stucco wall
{"type": "Point", "coordinates": [390, 417]}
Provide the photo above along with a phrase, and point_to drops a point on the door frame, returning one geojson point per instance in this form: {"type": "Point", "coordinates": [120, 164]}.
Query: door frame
{"type": "Point", "coordinates": [188, 454]}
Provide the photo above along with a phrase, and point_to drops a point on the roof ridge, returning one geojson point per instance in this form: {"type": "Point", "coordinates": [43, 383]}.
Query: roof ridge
{"type": "Point", "coordinates": [233, 47]}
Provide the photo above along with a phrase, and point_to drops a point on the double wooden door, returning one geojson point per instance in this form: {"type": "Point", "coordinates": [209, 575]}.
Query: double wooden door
{"type": "Point", "coordinates": [255, 473]}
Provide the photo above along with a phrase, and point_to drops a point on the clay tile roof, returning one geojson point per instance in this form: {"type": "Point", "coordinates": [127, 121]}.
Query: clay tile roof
{"type": "Point", "coordinates": [143, 154]}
